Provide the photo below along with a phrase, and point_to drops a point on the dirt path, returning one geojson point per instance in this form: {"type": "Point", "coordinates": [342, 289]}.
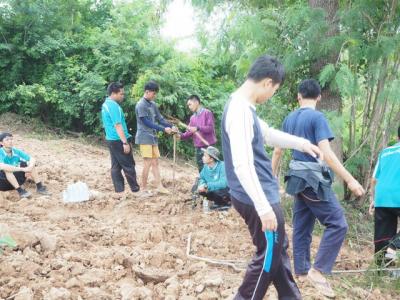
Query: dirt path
{"type": "Point", "coordinates": [109, 249]}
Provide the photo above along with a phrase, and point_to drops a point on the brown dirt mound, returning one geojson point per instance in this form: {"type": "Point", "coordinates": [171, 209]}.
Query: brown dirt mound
{"type": "Point", "coordinates": [109, 249]}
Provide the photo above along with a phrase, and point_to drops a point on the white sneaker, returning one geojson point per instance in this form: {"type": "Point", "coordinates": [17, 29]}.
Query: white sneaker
{"type": "Point", "coordinates": [162, 190]}
{"type": "Point", "coordinates": [391, 254]}
{"type": "Point", "coordinates": [143, 194]}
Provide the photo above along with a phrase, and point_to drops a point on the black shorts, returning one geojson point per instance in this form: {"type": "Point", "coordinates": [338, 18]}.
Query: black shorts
{"type": "Point", "coordinates": [5, 185]}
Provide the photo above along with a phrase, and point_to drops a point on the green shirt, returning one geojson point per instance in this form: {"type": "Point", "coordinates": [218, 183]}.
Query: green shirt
{"type": "Point", "coordinates": [387, 174]}
{"type": "Point", "coordinates": [214, 177]}
{"type": "Point", "coordinates": [111, 115]}
{"type": "Point", "coordinates": [14, 158]}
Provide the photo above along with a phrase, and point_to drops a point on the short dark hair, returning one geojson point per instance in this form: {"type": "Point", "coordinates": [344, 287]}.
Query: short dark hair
{"type": "Point", "coordinates": [267, 67]}
{"type": "Point", "coordinates": [309, 89]}
{"type": "Point", "coordinates": [114, 87]}
{"type": "Point", "coordinates": [151, 86]}
{"type": "Point", "coordinates": [194, 97]}
{"type": "Point", "coordinates": [3, 135]}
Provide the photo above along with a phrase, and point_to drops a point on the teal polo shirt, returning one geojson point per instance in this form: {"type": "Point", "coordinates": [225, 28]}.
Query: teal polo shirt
{"type": "Point", "coordinates": [111, 115]}
{"type": "Point", "coordinates": [387, 174]}
{"type": "Point", "coordinates": [17, 156]}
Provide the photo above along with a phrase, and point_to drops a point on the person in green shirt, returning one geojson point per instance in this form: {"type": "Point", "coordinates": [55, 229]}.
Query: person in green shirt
{"type": "Point", "coordinates": [119, 141]}
{"type": "Point", "coordinates": [385, 201]}
{"type": "Point", "coordinates": [212, 183]}
{"type": "Point", "coordinates": [15, 164]}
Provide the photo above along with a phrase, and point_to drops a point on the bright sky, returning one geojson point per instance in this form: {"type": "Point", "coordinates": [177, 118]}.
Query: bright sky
{"type": "Point", "coordinates": [180, 25]}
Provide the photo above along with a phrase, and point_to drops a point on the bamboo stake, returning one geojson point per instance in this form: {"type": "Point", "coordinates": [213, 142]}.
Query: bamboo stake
{"type": "Point", "coordinates": [234, 264]}
{"type": "Point", "coordinates": [229, 263]}
{"type": "Point", "coordinates": [173, 166]}
{"type": "Point", "coordinates": [363, 270]}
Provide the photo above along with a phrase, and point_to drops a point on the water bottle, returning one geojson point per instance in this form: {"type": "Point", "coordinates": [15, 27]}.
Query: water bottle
{"type": "Point", "coordinates": [394, 273]}
{"type": "Point", "coordinates": [205, 206]}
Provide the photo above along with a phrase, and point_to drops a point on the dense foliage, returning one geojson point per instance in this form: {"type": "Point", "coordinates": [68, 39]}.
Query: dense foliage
{"type": "Point", "coordinates": [58, 56]}
{"type": "Point", "coordinates": [351, 47]}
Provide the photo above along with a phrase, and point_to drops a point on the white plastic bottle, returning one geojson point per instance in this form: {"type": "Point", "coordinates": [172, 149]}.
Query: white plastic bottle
{"type": "Point", "coordinates": [206, 208]}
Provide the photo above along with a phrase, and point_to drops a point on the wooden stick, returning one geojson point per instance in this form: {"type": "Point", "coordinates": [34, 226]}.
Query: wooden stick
{"type": "Point", "coordinates": [363, 270]}
{"type": "Point", "coordinates": [234, 264]}
{"type": "Point", "coordinates": [229, 263]}
{"type": "Point", "coordinates": [173, 166]}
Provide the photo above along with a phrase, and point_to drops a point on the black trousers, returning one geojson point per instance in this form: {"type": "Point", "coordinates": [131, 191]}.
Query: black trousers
{"type": "Point", "coordinates": [386, 219]}
{"type": "Point", "coordinates": [220, 197]}
{"type": "Point", "coordinates": [199, 159]}
{"type": "Point", "coordinates": [270, 263]}
{"type": "Point", "coordinates": [20, 176]}
{"type": "Point", "coordinates": [121, 161]}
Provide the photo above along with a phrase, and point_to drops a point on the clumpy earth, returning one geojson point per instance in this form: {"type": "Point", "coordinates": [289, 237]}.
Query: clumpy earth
{"type": "Point", "coordinates": [124, 249]}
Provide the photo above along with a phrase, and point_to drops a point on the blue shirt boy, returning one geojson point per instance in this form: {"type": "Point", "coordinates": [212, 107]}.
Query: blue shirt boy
{"type": "Point", "coordinates": [111, 115]}
{"type": "Point", "coordinates": [309, 124]}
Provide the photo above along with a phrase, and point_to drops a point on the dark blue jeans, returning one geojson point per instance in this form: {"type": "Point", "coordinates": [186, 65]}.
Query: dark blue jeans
{"type": "Point", "coordinates": [307, 208]}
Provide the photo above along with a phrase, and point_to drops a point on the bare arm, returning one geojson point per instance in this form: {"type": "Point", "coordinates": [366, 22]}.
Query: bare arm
{"type": "Point", "coordinates": [276, 160]}
{"type": "Point", "coordinates": [121, 134]}
{"type": "Point", "coordinates": [373, 184]}
{"type": "Point", "coordinates": [32, 162]}
{"type": "Point", "coordinates": [372, 196]}
{"type": "Point", "coordinates": [31, 165]}
{"type": "Point", "coordinates": [9, 168]}
{"type": "Point", "coordinates": [334, 163]}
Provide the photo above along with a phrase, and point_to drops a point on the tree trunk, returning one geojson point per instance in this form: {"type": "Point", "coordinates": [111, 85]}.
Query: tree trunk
{"type": "Point", "coordinates": [331, 100]}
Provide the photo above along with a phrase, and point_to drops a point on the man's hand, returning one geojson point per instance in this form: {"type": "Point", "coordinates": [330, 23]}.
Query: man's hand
{"type": "Point", "coordinates": [175, 129]}
{"type": "Point", "coordinates": [127, 148]}
{"type": "Point", "coordinates": [192, 129]}
{"type": "Point", "coordinates": [356, 188]}
{"type": "Point", "coordinates": [168, 130]}
{"type": "Point", "coordinates": [202, 189]}
{"type": "Point", "coordinates": [313, 150]}
{"type": "Point", "coordinates": [371, 207]}
{"type": "Point", "coordinates": [269, 221]}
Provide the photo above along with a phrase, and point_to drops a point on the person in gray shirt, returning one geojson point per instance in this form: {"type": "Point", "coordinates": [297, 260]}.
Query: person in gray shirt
{"type": "Point", "coordinates": [149, 123]}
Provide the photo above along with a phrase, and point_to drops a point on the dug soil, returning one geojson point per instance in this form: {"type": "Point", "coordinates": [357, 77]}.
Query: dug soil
{"type": "Point", "coordinates": [131, 248]}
